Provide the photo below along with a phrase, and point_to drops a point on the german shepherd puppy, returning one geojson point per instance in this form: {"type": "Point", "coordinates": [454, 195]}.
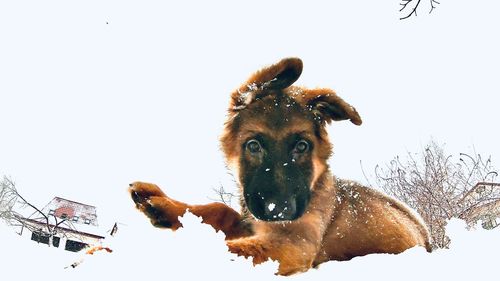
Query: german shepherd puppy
{"type": "Point", "coordinates": [293, 210]}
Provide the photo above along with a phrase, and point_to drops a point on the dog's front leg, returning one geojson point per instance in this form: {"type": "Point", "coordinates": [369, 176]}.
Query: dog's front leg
{"type": "Point", "coordinates": [164, 211]}
{"type": "Point", "coordinates": [294, 254]}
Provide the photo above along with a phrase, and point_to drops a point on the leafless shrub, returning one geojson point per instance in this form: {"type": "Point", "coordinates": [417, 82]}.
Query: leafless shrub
{"type": "Point", "coordinates": [439, 188]}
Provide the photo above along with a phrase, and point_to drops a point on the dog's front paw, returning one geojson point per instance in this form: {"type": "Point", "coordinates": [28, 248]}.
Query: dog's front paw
{"type": "Point", "coordinates": [249, 247]}
{"type": "Point", "coordinates": [141, 191]}
{"type": "Point", "coordinates": [161, 210]}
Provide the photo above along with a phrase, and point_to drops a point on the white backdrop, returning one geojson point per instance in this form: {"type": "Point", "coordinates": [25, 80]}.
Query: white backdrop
{"type": "Point", "coordinates": [97, 94]}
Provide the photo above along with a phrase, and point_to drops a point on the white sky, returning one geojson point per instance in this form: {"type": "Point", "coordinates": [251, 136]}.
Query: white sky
{"type": "Point", "coordinates": [97, 94]}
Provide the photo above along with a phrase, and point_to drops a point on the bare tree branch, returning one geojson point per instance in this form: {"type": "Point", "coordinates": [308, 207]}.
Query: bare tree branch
{"type": "Point", "coordinates": [433, 5]}
{"type": "Point", "coordinates": [364, 174]}
{"type": "Point", "coordinates": [224, 196]}
{"type": "Point", "coordinates": [11, 200]}
{"type": "Point", "coordinates": [413, 10]}
{"type": "Point", "coordinates": [413, 5]}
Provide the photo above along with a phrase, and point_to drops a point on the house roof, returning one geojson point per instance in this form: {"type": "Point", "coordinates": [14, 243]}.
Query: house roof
{"type": "Point", "coordinates": [76, 202]}
{"type": "Point", "coordinates": [478, 185]}
{"type": "Point", "coordinates": [83, 214]}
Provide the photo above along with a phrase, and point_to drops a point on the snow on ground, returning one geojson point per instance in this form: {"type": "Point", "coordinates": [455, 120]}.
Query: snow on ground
{"type": "Point", "coordinates": [141, 251]}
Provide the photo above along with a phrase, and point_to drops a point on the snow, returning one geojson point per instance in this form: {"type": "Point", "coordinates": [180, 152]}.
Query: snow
{"type": "Point", "coordinates": [196, 251]}
{"type": "Point", "coordinates": [271, 206]}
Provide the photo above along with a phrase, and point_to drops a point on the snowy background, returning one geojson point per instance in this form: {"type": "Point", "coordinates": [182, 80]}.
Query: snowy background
{"type": "Point", "coordinates": [147, 253]}
{"type": "Point", "coordinates": [97, 94]}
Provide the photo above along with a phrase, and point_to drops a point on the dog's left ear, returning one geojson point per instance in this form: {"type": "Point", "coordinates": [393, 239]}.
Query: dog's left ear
{"type": "Point", "coordinates": [278, 76]}
{"type": "Point", "coordinates": [327, 106]}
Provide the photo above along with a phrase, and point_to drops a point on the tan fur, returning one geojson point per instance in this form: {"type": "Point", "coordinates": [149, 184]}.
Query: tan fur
{"type": "Point", "coordinates": [343, 219]}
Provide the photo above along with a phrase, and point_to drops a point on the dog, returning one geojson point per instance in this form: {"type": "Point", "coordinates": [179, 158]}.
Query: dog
{"type": "Point", "coordinates": [293, 210]}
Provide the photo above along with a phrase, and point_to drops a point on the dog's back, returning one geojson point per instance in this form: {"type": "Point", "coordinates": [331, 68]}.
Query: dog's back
{"type": "Point", "coordinates": [366, 221]}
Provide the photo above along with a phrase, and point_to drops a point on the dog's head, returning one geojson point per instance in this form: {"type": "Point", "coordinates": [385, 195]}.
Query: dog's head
{"type": "Point", "coordinates": [276, 142]}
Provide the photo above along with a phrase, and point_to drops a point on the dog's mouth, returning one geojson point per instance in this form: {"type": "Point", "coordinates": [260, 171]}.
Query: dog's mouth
{"type": "Point", "coordinates": [277, 209]}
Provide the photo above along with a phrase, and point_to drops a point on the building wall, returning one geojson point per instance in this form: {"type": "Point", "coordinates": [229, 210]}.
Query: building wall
{"type": "Point", "coordinates": [66, 239]}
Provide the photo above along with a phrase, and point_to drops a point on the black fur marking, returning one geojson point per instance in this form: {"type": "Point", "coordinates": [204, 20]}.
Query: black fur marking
{"type": "Point", "coordinates": [276, 182]}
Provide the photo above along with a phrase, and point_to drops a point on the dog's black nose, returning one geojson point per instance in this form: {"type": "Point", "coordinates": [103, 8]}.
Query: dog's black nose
{"type": "Point", "coordinates": [135, 196]}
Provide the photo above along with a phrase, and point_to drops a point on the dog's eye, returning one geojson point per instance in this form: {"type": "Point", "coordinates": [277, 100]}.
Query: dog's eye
{"type": "Point", "coordinates": [301, 146]}
{"type": "Point", "coordinates": [253, 146]}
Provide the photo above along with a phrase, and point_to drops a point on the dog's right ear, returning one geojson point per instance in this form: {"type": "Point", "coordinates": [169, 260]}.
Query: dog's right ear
{"type": "Point", "coordinates": [327, 106]}
{"type": "Point", "coordinates": [275, 77]}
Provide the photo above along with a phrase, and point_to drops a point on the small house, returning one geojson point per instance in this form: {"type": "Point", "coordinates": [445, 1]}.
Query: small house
{"type": "Point", "coordinates": [483, 201]}
{"type": "Point", "coordinates": [64, 224]}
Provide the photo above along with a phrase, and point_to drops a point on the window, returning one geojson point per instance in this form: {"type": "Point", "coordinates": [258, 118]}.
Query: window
{"type": "Point", "coordinates": [64, 216]}
{"type": "Point", "coordinates": [75, 218]}
{"type": "Point", "coordinates": [74, 246]}
{"type": "Point", "coordinates": [40, 237]}
{"type": "Point", "coordinates": [87, 221]}
{"type": "Point", "coordinates": [480, 189]}
{"type": "Point", "coordinates": [51, 212]}
{"type": "Point", "coordinates": [55, 241]}
{"type": "Point", "coordinates": [489, 222]}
